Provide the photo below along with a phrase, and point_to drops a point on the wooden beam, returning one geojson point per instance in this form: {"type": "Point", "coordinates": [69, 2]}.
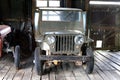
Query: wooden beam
{"type": "Point", "coordinates": [33, 10]}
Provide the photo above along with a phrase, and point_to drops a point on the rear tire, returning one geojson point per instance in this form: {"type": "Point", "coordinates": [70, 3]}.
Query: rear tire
{"type": "Point", "coordinates": [17, 57]}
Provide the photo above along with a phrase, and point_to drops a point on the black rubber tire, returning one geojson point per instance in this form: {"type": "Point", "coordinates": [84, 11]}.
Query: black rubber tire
{"type": "Point", "coordinates": [83, 49]}
{"type": "Point", "coordinates": [90, 64]}
{"type": "Point", "coordinates": [38, 62]}
{"type": "Point", "coordinates": [17, 57]}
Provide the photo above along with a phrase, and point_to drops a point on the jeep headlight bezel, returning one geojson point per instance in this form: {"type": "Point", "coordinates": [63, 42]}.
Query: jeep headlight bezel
{"type": "Point", "coordinates": [79, 39]}
{"type": "Point", "coordinates": [50, 39]}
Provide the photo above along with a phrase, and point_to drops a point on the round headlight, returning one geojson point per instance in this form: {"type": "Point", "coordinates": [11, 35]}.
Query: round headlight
{"type": "Point", "coordinates": [79, 39]}
{"type": "Point", "coordinates": [50, 39]}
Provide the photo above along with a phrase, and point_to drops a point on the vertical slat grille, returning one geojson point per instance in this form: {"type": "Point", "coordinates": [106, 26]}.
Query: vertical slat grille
{"type": "Point", "coordinates": [64, 43]}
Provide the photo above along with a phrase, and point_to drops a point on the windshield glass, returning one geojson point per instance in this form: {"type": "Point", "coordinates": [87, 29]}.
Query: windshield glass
{"type": "Point", "coordinates": [61, 16]}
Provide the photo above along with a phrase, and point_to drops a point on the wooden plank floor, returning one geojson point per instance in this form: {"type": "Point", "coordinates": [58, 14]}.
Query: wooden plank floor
{"type": "Point", "coordinates": [107, 67]}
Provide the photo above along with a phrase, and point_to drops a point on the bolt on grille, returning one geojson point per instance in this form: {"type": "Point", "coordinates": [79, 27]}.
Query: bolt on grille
{"type": "Point", "coordinates": [64, 43]}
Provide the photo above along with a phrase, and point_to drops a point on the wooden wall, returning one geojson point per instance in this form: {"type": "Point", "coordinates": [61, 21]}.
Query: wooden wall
{"type": "Point", "coordinates": [14, 9]}
{"type": "Point", "coordinates": [104, 22]}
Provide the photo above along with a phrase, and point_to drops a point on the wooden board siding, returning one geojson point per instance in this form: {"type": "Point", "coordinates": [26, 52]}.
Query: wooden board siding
{"type": "Point", "coordinates": [104, 22]}
{"type": "Point", "coordinates": [107, 67]}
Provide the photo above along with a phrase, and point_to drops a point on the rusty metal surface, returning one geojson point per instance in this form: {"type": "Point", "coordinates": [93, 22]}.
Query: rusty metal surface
{"type": "Point", "coordinates": [66, 58]}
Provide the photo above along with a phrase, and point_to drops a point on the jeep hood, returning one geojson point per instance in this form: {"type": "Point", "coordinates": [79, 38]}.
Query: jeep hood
{"type": "Point", "coordinates": [65, 32]}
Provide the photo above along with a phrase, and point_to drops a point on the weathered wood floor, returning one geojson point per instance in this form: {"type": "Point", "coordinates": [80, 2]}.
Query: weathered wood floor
{"type": "Point", "coordinates": [107, 67]}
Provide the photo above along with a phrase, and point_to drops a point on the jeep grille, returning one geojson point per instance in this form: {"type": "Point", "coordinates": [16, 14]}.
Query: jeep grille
{"type": "Point", "coordinates": [64, 43]}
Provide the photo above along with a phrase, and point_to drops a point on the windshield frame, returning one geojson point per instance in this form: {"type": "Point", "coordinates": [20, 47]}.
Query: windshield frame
{"type": "Point", "coordinates": [40, 21]}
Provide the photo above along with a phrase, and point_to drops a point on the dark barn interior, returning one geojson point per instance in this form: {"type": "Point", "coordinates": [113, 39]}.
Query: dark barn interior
{"type": "Point", "coordinates": [103, 18]}
{"type": "Point", "coordinates": [102, 25]}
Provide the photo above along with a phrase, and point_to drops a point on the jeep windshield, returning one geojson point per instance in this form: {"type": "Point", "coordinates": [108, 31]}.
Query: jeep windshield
{"type": "Point", "coordinates": [59, 19]}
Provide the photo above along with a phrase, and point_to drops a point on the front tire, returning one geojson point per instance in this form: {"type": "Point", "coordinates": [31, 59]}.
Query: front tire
{"type": "Point", "coordinates": [90, 64]}
{"type": "Point", "coordinates": [38, 62]}
{"type": "Point", "coordinates": [83, 49]}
